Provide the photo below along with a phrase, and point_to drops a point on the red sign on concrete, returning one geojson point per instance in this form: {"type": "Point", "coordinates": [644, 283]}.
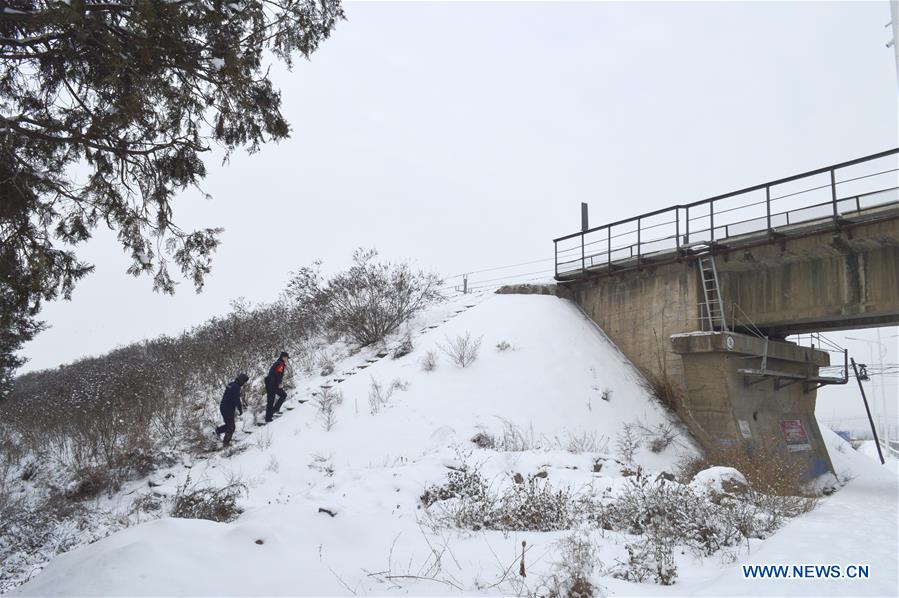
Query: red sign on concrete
{"type": "Point", "coordinates": [794, 435]}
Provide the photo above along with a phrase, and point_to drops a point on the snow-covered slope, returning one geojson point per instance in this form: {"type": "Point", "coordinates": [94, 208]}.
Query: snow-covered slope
{"type": "Point", "coordinates": [371, 469]}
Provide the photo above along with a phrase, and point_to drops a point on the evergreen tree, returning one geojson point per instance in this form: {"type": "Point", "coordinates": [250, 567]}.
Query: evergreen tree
{"type": "Point", "coordinates": [106, 109]}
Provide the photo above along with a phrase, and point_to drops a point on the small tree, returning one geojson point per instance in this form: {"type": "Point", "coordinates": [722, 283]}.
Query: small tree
{"type": "Point", "coordinates": [462, 350]}
{"type": "Point", "coordinates": [366, 302]}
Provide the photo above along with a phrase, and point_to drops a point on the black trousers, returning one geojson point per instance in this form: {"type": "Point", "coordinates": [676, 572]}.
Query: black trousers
{"type": "Point", "coordinates": [228, 427]}
{"type": "Point", "coordinates": [270, 405]}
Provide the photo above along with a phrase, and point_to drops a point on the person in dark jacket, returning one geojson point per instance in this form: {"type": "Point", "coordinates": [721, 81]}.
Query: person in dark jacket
{"type": "Point", "coordinates": [274, 386]}
{"type": "Point", "coordinates": [230, 402]}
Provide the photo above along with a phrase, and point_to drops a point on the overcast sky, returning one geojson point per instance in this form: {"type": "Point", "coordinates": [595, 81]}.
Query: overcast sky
{"type": "Point", "coordinates": [465, 136]}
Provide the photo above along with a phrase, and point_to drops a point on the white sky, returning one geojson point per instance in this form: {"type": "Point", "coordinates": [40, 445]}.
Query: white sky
{"type": "Point", "coordinates": [465, 136]}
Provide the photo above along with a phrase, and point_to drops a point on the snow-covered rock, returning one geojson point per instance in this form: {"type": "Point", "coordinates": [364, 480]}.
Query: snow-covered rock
{"type": "Point", "coordinates": [723, 480]}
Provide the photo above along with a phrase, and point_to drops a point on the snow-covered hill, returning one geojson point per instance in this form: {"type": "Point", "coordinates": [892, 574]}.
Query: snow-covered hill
{"type": "Point", "coordinates": [546, 380]}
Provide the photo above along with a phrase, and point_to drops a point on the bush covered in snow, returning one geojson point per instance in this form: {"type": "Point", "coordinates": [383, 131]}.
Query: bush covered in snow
{"type": "Point", "coordinates": [654, 515]}
{"type": "Point", "coordinates": [717, 511]}
{"type": "Point", "coordinates": [214, 504]}
{"type": "Point", "coordinates": [366, 302]}
{"type": "Point", "coordinates": [113, 410]}
{"type": "Point", "coordinates": [571, 574]}
{"type": "Point", "coordinates": [404, 348]}
{"type": "Point", "coordinates": [467, 501]}
{"type": "Point", "coordinates": [648, 560]}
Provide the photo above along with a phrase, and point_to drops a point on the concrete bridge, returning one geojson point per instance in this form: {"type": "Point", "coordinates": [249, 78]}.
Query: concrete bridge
{"type": "Point", "coordinates": [701, 296]}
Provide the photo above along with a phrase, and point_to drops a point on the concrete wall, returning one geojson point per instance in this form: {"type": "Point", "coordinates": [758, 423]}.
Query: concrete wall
{"type": "Point", "coordinates": [640, 310]}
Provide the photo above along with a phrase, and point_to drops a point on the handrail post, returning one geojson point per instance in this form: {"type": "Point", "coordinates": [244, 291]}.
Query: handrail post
{"type": "Point", "coordinates": [833, 193]}
{"type": "Point", "coordinates": [687, 226]}
{"type": "Point", "coordinates": [768, 206]}
{"type": "Point", "coordinates": [712, 219]}
{"type": "Point", "coordinates": [677, 228]}
{"type": "Point", "coordinates": [556, 256]}
{"type": "Point", "coordinates": [609, 249]}
{"type": "Point", "coordinates": [583, 260]}
{"type": "Point", "coordinates": [639, 252]}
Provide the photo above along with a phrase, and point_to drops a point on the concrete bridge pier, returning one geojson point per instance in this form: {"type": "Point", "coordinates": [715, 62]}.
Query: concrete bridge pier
{"type": "Point", "coordinates": [743, 390]}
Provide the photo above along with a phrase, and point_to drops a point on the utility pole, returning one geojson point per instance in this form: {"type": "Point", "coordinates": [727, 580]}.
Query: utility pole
{"type": "Point", "coordinates": [883, 418]}
{"type": "Point", "coordinates": [868, 411]}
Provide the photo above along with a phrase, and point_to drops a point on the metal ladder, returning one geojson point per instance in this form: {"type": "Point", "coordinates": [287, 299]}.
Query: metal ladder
{"type": "Point", "coordinates": [713, 306]}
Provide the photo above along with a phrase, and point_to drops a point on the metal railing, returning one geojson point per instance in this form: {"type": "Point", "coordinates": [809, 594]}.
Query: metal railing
{"type": "Point", "coordinates": [826, 196]}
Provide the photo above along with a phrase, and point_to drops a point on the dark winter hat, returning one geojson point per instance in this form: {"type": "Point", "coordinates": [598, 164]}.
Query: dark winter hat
{"type": "Point", "coordinates": [284, 354]}
{"type": "Point", "coordinates": [242, 379]}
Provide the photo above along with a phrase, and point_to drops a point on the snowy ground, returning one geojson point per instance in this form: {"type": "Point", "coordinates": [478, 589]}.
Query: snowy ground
{"type": "Point", "coordinates": [371, 468]}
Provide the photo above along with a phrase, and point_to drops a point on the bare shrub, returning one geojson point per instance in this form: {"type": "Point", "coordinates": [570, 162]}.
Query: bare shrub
{"type": "Point", "coordinates": [139, 462]}
{"type": "Point", "coordinates": [667, 514]}
{"type": "Point", "coordinates": [464, 483]}
{"type": "Point", "coordinates": [165, 391]}
{"type": "Point", "coordinates": [11, 458]}
{"type": "Point", "coordinates": [584, 442]}
{"type": "Point", "coordinates": [651, 560]}
{"type": "Point", "coordinates": [429, 362]}
{"type": "Point", "coordinates": [89, 482]}
{"type": "Point", "coordinates": [326, 403]}
{"type": "Point", "coordinates": [514, 439]}
{"type": "Point", "coordinates": [195, 436]}
{"type": "Point", "coordinates": [658, 437]}
{"type": "Point", "coordinates": [148, 503]}
{"type": "Point", "coordinates": [379, 397]}
{"type": "Point", "coordinates": [532, 506]}
{"type": "Point", "coordinates": [462, 350]}
{"type": "Point", "coordinates": [367, 302]}
{"type": "Point", "coordinates": [465, 500]}
{"type": "Point", "coordinates": [658, 508]}
{"type": "Point", "coordinates": [627, 444]}
{"type": "Point", "coordinates": [572, 572]}
{"type": "Point", "coordinates": [214, 504]}
{"type": "Point", "coordinates": [503, 346]}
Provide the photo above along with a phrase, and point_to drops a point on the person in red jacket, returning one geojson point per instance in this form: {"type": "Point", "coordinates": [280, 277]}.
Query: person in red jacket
{"type": "Point", "coordinates": [274, 386]}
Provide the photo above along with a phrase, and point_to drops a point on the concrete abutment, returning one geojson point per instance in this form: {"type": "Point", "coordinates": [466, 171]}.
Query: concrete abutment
{"type": "Point", "coordinates": [826, 280]}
